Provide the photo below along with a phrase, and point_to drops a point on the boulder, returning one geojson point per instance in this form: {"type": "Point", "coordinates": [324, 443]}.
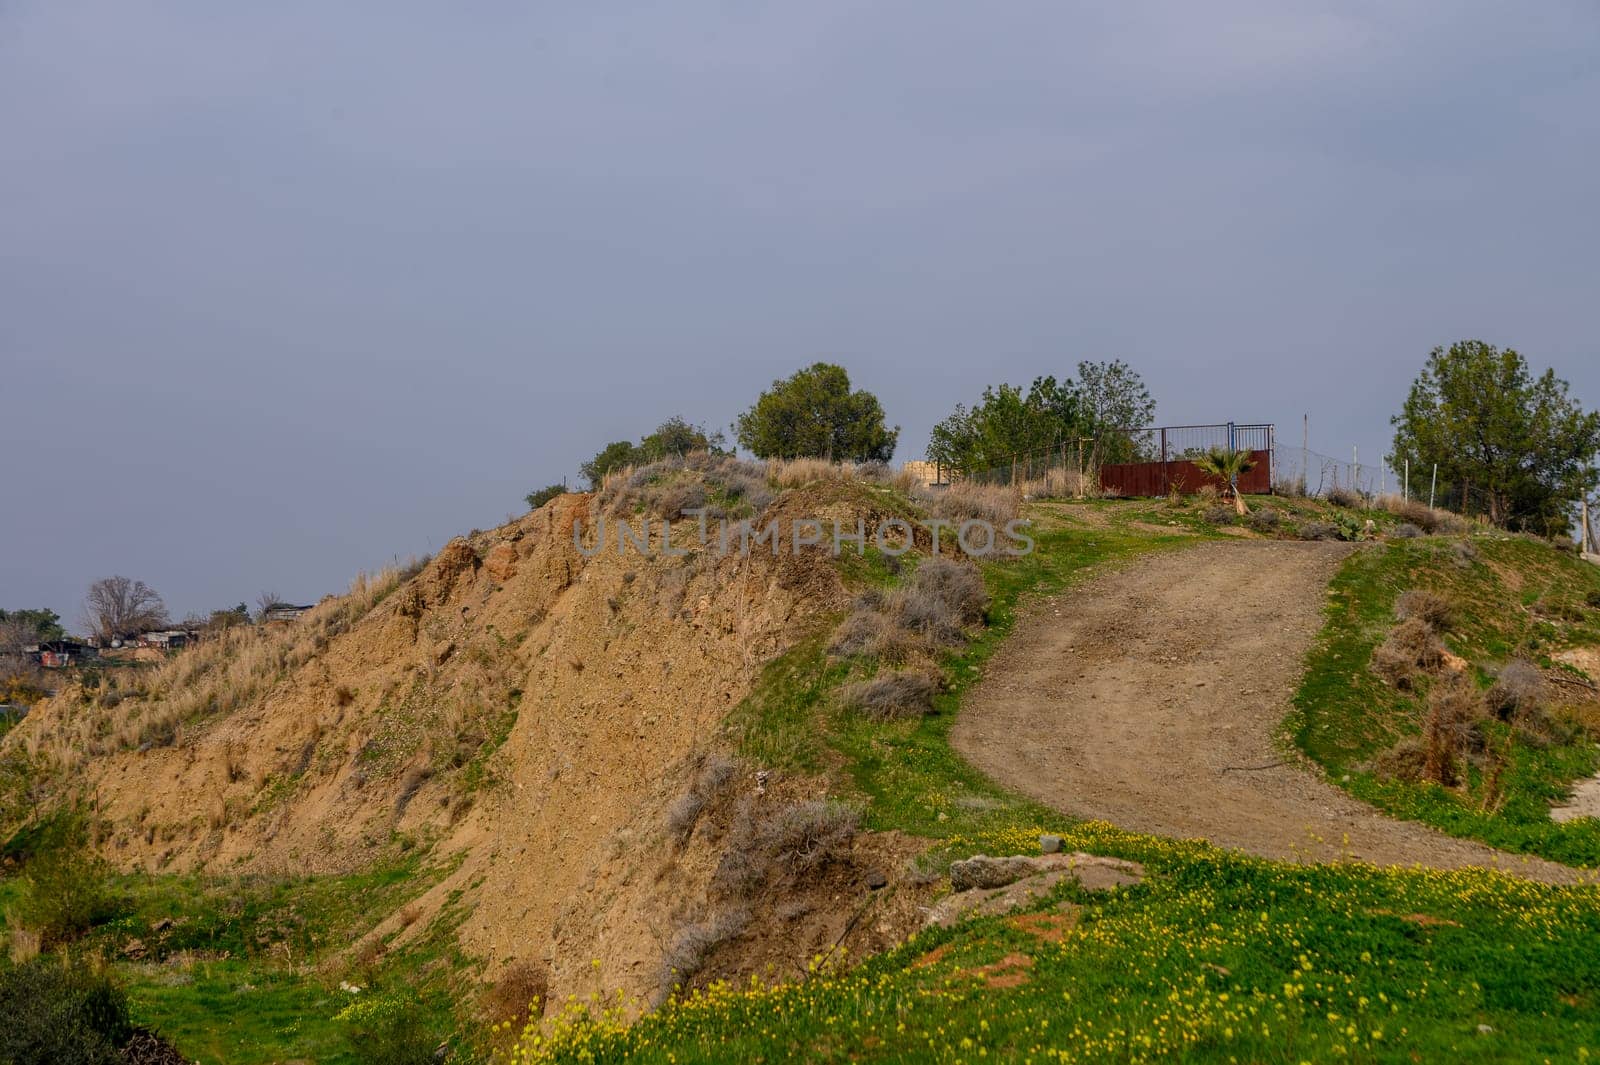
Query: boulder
{"type": "Point", "coordinates": [1092, 871]}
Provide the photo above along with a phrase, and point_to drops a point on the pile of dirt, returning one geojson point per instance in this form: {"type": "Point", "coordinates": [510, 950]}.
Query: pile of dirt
{"type": "Point", "coordinates": [525, 706]}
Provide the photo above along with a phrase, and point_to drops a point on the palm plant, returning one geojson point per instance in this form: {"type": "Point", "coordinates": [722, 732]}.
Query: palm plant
{"type": "Point", "coordinates": [1227, 463]}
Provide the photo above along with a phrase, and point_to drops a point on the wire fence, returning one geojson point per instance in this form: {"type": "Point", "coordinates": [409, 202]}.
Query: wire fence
{"type": "Point", "coordinates": [1081, 466]}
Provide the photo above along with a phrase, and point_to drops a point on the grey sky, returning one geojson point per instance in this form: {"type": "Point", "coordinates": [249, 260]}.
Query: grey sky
{"type": "Point", "coordinates": [290, 289]}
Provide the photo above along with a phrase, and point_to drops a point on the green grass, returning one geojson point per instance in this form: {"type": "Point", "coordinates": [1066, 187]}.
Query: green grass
{"type": "Point", "coordinates": [248, 972]}
{"type": "Point", "coordinates": [1517, 598]}
{"type": "Point", "coordinates": [1216, 958]}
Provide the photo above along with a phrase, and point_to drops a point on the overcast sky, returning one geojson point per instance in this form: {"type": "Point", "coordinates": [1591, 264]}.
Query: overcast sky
{"type": "Point", "coordinates": [288, 290]}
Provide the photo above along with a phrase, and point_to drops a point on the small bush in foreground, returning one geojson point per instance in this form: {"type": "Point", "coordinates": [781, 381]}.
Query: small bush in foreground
{"type": "Point", "coordinates": [893, 696]}
{"type": "Point", "coordinates": [968, 501]}
{"type": "Point", "coordinates": [1454, 706]}
{"type": "Point", "coordinates": [388, 1029]}
{"type": "Point", "coordinates": [1405, 531]}
{"type": "Point", "coordinates": [57, 1014]}
{"type": "Point", "coordinates": [1220, 515]}
{"type": "Point", "coordinates": [1265, 520]}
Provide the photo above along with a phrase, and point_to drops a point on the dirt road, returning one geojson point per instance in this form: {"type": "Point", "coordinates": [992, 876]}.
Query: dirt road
{"type": "Point", "coordinates": [1149, 697]}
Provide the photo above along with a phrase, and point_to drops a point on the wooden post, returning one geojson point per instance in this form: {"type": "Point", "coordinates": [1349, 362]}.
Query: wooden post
{"type": "Point", "coordinates": [1583, 529]}
{"type": "Point", "coordinates": [1405, 485]}
{"type": "Point", "coordinates": [1433, 484]}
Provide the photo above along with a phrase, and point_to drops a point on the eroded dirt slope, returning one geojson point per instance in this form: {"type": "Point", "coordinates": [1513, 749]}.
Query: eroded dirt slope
{"type": "Point", "coordinates": [1149, 697]}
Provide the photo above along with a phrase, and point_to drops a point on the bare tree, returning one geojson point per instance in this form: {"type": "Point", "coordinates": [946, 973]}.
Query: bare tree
{"type": "Point", "coordinates": [14, 636]}
{"type": "Point", "coordinates": [265, 602]}
{"type": "Point", "coordinates": [117, 606]}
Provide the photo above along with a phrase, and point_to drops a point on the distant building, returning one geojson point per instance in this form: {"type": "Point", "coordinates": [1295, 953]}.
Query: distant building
{"type": "Point", "coordinates": [168, 639]}
{"type": "Point", "coordinates": [283, 612]}
{"type": "Point", "coordinates": [58, 654]}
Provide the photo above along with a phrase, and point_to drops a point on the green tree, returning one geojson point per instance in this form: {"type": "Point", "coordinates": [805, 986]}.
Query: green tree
{"type": "Point", "coordinates": [43, 624]}
{"type": "Point", "coordinates": [675, 436]}
{"type": "Point", "coordinates": [1517, 442]}
{"type": "Point", "coordinates": [1007, 422]}
{"type": "Point", "coordinates": [814, 414]}
{"type": "Point", "coordinates": [544, 495]}
{"type": "Point", "coordinates": [1114, 399]}
{"type": "Point", "coordinates": [614, 456]}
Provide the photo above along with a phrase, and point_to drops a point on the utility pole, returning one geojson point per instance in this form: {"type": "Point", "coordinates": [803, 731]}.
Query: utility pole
{"type": "Point", "coordinates": [1405, 487]}
{"type": "Point", "coordinates": [1433, 484]}
{"type": "Point", "coordinates": [1305, 452]}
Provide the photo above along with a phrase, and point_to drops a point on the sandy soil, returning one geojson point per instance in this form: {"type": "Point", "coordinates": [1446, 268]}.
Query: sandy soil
{"type": "Point", "coordinates": [1149, 697]}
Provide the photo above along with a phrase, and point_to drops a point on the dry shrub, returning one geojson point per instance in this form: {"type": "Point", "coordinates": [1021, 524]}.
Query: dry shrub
{"type": "Point", "coordinates": [1430, 607]}
{"type": "Point", "coordinates": [941, 599]}
{"type": "Point", "coordinates": [1412, 649]}
{"type": "Point", "coordinates": [1455, 707]}
{"type": "Point", "coordinates": [343, 695]}
{"type": "Point", "coordinates": [1591, 599]}
{"type": "Point", "coordinates": [1404, 761]}
{"type": "Point", "coordinates": [410, 783]}
{"type": "Point", "coordinates": [712, 778]}
{"type": "Point", "coordinates": [797, 473]}
{"type": "Point", "coordinates": [893, 696]}
{"type": "Point", "coordinates": [1517, 691]}
{"type": "Point", "coordinates": [1341, 496]}
{"type": "Point", "coordinates": [1320, 530]}
{"type": "Point", "coordinates": [870, 631]}
{"type": "Point", "coordinates": [775, 846]}
{"type": "Point", "coordinates": [1405, 531]}
{"type": "Point", "coordinates": [1429, 519]}
{"type": "Point", "coordinates": [693, 944]}
{"type": "Point", "coordinates": [970, 501]}
{"type": "Point", "coordinates": [1220, 515]}
{"type": "Point", "coordinates": [1208, 493]}
{"type": "Point", "coordinates": [1061, 484]}
{"type": "Point", "coordinates": [1265, 520]}
{"type": "Point", "coordinates": [1465, 553]}
{"type": "Point", "coordinates": [518, 996]}
{"type": "Point", "coordinates": [672, 485]}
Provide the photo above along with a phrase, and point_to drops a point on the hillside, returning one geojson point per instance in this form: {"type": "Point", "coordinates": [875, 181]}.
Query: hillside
{"type": "Point", "coordinates": [521, 771]}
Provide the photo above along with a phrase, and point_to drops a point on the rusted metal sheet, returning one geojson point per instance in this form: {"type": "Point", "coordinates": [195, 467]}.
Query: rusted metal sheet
{"type": "Point", "coordinates": [1159, 478]}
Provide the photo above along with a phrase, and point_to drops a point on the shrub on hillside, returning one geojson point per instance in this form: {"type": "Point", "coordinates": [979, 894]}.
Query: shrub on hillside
{"type": "Point", "coordinates": [61, 1014]}
{"type": "Point", "coordinates": [1517, 691]}
{"type": "Point", "coordinates": [1455, 706]}
{"type": "Point", "coordinates": [941, 599]}
{"type": "Point", "coordinates": [1341, 496]}
{"type": "Point", "coordinates": [1220, 515]}
{"type": "Point", "coordinates": [64, 893]}
{"type": "Point", "coordinates": [388, 1029]}
{"type": "Point", "coordinates": [1411, 649]}
{"type": "Point", "coordinates": [893, 696]}
{"type": "Point", "coordinates": [770, 845]}
{"type": "Point", "coordinates": [544, 495]}
{"type": "Point", "coordinates": [1321, 530]}
{"type": "Point", "coordinates": [1405, 531]}
{"type": "Point", "coordinates": [1265, 520]}
{"type": "Point", "coordinates": [1429, 519]}
{"type": "Point", "coordinates": [1431, 607]}
{"type": "Point", "coordinates": [711, 779]}
{"type": "Point", "coordinates": [518, 996]}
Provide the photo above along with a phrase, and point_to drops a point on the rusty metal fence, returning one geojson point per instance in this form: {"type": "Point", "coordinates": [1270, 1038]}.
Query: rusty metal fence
{"type": "Point", "coordinates": [1147, 461]}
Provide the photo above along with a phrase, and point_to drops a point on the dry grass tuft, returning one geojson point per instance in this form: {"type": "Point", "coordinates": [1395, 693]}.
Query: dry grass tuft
{"type": "Point", "coordinates": [1455, 706]}
{"type": "Point", "coordinates": [893, 696]}
{"type": "Point", "coordinates": [1341, 496]}
{"type": "Point", "coordinates": [969, 501]}
{"type": "Point", "coordinates": [712, 779]}
{"type": "Point", "coordinates": [1430, 607]}
{"type": "Point", "coordinates": [1411, 650]}
{"type": "Point", "coordinates": [1429, 519]}
{"type": "Point", "coordinates": [1519, 690]}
